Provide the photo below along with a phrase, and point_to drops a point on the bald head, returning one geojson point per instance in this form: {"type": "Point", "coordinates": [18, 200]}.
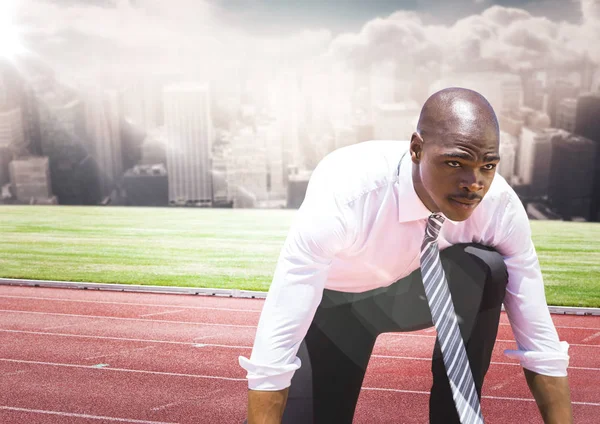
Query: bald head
{"type": "Point", "coordinates": [456, 111]}
{"type": "Point", "coordinates": [455, 151]}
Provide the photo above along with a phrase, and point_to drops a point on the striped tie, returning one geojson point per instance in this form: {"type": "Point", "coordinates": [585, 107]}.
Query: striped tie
{"type": "Point", "coordinates": [446, 324]}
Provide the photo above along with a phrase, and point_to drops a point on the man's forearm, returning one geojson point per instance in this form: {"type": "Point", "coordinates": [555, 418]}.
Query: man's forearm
{"type": "Point", "coordinates": [266, 407]}
{"type": "Point", "coordinates": [552, 396]}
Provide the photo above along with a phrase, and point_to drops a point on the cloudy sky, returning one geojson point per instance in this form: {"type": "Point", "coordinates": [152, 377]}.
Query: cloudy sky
{"type": "Point", "coordinates": [462, 34]}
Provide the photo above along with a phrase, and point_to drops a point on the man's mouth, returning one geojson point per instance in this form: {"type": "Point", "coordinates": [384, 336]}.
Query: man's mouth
{"type": "Point", "coordinates": [465, 203]}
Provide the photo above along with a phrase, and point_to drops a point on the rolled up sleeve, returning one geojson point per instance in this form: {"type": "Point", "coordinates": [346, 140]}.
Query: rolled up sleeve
{"type": "Point", "coordinates": [538, 346]}
{"type": "Point", "coordinates": [317, 233]}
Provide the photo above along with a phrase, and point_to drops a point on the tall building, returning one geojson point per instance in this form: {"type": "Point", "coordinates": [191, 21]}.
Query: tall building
{"type": "Point", "coordinates": [11, 141]}
{"type": "Point", "coordinates": [566, 113]}
{"type": "Point", "coordinates": [508, 148]}
{"type": "Point", "coordinates": [73, 171]}
{"type": "Point", "coordinates": [573, 162]}
{"type": "Point", "coordinates": [30, 180]}
{"type": "Point", "coordinates": [557, 91]}
{"type": "Point", "coordinates": [142, 103]}
{"type": "Point", "coordinates": [254, 164]}
{"type": "Point", "coordinates": [103, 130]}
{"type": "Point", "coordinates": [533, 90]}
{"type": "Point", "coordinates": [587, 124]}
{"type": "Point", "coordinates": [189, 143]}
{"type": "Point", "coordinates": [11, 132]}
{"type": "Point", "coordinates": [268, 134]}
{"type": "Point", "coordinates": [396, 121]}
{"type": "Point", "coordinates": [535, 153]}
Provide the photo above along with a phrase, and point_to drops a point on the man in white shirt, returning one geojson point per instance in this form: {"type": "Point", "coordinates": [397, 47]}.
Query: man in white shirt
{"type": "Point", "coordinates": [350, 270]}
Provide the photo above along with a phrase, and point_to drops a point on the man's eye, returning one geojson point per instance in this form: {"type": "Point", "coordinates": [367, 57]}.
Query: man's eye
{"type": "Point", "coordinates": [453, 164]}
{"type": "Point", "coordinates": [489, 166]}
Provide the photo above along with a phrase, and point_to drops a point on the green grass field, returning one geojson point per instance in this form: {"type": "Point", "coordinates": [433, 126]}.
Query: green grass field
{"type": "Point", "coordinates": [223, 248]}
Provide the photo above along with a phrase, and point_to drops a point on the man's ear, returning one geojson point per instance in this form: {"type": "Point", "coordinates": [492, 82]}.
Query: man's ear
{"type": "Point", "coordinates": [416, 147]}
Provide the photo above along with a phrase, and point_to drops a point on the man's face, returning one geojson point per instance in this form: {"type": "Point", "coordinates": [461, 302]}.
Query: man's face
{"type": "Point", "coordinates": [457, 170]}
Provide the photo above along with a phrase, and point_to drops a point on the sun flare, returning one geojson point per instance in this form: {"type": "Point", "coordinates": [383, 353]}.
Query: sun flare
{"type": "Point", "coordinates": [10, 42]}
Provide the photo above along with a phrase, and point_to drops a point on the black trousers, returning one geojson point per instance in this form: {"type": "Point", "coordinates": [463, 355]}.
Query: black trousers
{"type": "Point", "coordinates": [337, 347]}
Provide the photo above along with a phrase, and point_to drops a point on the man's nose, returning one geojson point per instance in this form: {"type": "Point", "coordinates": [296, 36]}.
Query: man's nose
{"type": "Point", "coordinates": [472, 181]}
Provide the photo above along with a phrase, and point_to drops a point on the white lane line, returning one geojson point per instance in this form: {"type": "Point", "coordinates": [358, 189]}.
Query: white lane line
{"type": "Point", "coordinates": [132, 304]}
{"type": "Point", "coordinates": [127, 351]}
{"type": "Point", "coordinates": [90, 417]}
{"type": "Point", "coordinates": [421, 392]}
{"type": "Point", "coordinates": [241, 379]}
{"type": "Point", "coordinates": [533, 400]}
{"type": "Point", "coordinates": [592, 337]}
{"type": "Point", "coordinates": [125, 319]}
{"type": "Point", "coordinates": [411, 358]}
{"type": "Point", "coordinates": [566, 327]}
{"type": "Point", "coordinates": [59, 326]}
{"type": "Point", "coordinates": [162, 313]}
{"type": "Point", "coordinates": [194, 344]}
{"type": "Point", "coordinates": [85, 336]}
{"type": "Point", "coordinates": [497, 340]}
{"type": "Point", "coordinates": [92, 367]}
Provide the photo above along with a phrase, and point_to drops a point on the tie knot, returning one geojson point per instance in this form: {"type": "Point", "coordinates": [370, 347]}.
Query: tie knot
{"type": "Point", "coordinates": [434, 224]}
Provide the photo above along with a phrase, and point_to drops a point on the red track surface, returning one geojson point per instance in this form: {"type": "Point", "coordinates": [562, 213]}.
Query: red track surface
{"type": "Point", "coordinates": [80, 356]}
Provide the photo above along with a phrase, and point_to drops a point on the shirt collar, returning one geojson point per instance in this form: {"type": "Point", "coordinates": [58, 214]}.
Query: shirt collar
{"type": "Point", "coordinates": [410, 206]}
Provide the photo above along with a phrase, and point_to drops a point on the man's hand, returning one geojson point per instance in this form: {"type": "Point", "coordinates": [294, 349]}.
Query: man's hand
{"type": "Point", "coordinates": [552, 396]}
{"type": "Point", "coordinates": [266, 407]}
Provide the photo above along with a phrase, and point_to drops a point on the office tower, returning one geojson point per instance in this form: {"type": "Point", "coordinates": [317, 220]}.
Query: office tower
{"type": "Point", "coordinates": [11, 132]}
{"type": "Point", "coordinates": [535, 153]}
{"type": "Point", "coordinates": [508, 148]}
{"type": "Point", "coordinates": [142, 102]}
{"type": "Point", "coordinates": [557, 91]}
{"type": "Point", "coordinates": [254, 165]}
{"type": "Point", "coordinates": [11, 141]}
{"type": "Point", "coordinates": [396, 121]}
{"type": "Point", "coordinates": [587, 124]}
{"type": "Point", "coordinates": [573, 164]}
{"type": "Point", "coordinates": [103, 130]}
{"type": "Point", "coordinates": [221, 193]}
{"type": "Point", "coordinates": [533, 90]}
{"type": "Point", "coordinates": [286, 104]}
{"type": "Point", "coordinates": [73, 171]}
{"type": "Point", "coordinates": [30, 180]}
{"type": "Point", "coordinates": [268, 134]}
{"type": "Point", "coordinates": [189, 143]}
{"type": "Point", "coordinates": [511, 123]}
{"type": "Point", "coordinates": [566, 113]}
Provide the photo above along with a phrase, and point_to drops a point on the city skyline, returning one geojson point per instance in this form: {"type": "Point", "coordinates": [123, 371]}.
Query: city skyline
{"type": "Point", "coordinates": [192, 108]}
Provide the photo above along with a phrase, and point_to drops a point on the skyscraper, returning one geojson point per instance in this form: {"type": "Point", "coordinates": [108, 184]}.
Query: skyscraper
{"type": "Point", "coordinates": [11, 131]}
{"type": "Point", "coordinates": [572, 165]}
{"type": "Point", "coordinates": [508, 147]}
{"type": "Point", "coordinates": [189, 143]}
{"type": "Point", "coordinates": [535, 153]}
{"type": "Point", "coordinates": [587, 124]}
{"type": "Point", "coordinates": [11, 141]}
{"type": "Point", "coordinates": [566, 113]}
{"type": "Point", "coordinates": [73, 171]}
{"type": "Point", "coordinates": [103, 128]}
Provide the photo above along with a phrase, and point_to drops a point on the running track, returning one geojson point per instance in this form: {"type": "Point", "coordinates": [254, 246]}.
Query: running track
{"type": "Point", "coordinates": [83, 356]}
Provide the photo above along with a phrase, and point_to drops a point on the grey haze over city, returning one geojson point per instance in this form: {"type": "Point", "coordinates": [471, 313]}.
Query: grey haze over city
{"type": "Point", "coordinates": [233, 102]}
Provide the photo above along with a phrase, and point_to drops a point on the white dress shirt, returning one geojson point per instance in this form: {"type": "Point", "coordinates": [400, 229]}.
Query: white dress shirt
{"type": "Point", "coordinates": [360, 227]}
